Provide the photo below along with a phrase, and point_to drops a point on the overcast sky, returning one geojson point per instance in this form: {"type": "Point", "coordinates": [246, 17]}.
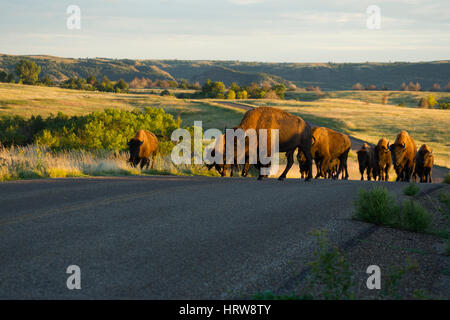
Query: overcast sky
{"type": "Point", "coordinates": [246, 30]}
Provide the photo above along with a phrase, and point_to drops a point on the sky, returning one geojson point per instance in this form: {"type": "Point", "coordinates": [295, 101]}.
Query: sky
{"type": "Point", "coordinates": [244, 30]}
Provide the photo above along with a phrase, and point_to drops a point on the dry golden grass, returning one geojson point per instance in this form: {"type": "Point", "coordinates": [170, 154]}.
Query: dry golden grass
{"type": "Point", "coordinates": [38, 162]}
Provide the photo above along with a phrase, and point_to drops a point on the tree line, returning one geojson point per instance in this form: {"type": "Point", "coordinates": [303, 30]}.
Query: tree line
{"type": "Point", "coordinates": [404, 87]}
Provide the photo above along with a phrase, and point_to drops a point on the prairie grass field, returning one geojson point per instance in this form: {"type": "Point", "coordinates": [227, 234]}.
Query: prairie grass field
{"type": "Point", "coordinates": [344, 112]}
{"type": "Point", "coordinates": [408, 98]}
{"type": "Point", "coordinates": [26, 101]}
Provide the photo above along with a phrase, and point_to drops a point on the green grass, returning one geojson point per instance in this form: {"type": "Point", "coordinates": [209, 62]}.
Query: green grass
{"type": "Point", "coordinates": [378, 206]}
{"type": "Point", "coordinates": [411, 189]}
{"type": "Point", "coordinates": [447, 178]}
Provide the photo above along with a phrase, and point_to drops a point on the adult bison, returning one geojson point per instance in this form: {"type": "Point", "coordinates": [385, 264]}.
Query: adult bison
{"type": "Point", "coordinates": [403, 152]}
{"type": "Point", "coordinates": [327, 145]}
{"type": "Point", "coordinates": [424, 164]}
{"type": "Point", "coordinates": [293, 132]}
{"type": "Point", "coordinates": [143, 146]}
{"type": "Point", "coordinates": [383, 159]}
{"type": "Point", "coordinates": [366, 162]}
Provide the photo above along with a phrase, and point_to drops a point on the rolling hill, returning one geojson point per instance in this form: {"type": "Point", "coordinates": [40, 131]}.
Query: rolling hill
{"type": "Point", "coordinates": [329, 76]}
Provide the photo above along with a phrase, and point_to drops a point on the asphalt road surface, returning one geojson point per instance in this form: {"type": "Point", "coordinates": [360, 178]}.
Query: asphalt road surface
{"type": "Point", "coordinates": [167, 237]}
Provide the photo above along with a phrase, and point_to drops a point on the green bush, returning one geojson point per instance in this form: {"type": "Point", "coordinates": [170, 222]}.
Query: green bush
{"type": "Point", "coordinates": [108, 130]}
{"type": "Point", "coordinates": [375, 206]}
{"type": "Point", "coordinates": [379, 207]}
{"type": "Point", "coordinates": [447, 178]}
{"type": "Point", "coordinates": [413, 217]}
{"type": "Point", "coordinates": [411, 189]}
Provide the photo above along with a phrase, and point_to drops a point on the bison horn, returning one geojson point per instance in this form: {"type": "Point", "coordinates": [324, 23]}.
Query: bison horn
{"type": "Point", "coordinates": [313, 140]}
{"type": "Point", "coordinates": [141, 142]}
{"type": "Point", "coordinates": [404, 145]}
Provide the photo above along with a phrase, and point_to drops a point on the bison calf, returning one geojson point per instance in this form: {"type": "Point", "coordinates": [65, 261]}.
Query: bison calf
{"type": "Point", "coordinates": [383, 159]}
{"type": "Point", "coordinates": [366, 161]}
{"type": "Point", "coordinates": [424, 164]}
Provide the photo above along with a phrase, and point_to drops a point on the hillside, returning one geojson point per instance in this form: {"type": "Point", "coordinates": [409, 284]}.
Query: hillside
{"type": "Point", "coordinates": [329, 76]}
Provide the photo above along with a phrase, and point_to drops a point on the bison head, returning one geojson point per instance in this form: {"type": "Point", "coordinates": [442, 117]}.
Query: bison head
{"type": "Point", "coordinates": [134, 146]}
{"type": "Point", "coordinates": [398, 151]}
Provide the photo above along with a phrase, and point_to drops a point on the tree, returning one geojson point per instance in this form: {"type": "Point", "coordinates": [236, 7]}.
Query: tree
{"type": "Point", "coordinates": [436, 87]}
{"type": "Point", "coordinates": [231, 95]}
{"type": "Point", "coordinates": [242, 94]}
{"type": "Point", "coordinates": [279, 89]}
{"type": "Point", "coordinates": [371, 87]}
{"type": "Point", "coordinates": [10, 78]}
{"type": "Point", "coordinates": [28, 71]}
{"type": "Point", "coordinates": [411, 86]}
{"type": "Point", "coordinates": [47, 81]}
{"type": "Point", "coordinates": [235, 87]}
{"type": "Point", "coordinates": [358, 86]}
{"type": "Point", "coordinates": [424, 103]}
{"type": "Point", "coordinates": [404, 87]}
{"type": "Point", "coordinates": [271, 94]}
{"type": "Point", "coordinates": [91, 79]}
{"type": "Point", "coordinates": [431, 101]}
{"type": "Point", "coordinates": [121, 86]}
{"type": "Point", "coordinates": [3, 76]}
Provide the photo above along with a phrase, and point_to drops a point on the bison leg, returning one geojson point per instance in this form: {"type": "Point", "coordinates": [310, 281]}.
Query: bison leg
{"type": "Point", "coordinates": [245, 170]}
{"type": "Point", "coordinates": [290, 159]}
{"type": "Point", "coordinates": [153, 161]}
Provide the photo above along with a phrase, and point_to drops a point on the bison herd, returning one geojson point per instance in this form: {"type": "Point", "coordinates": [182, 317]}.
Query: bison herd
{"type": "Point", "coordinates": [329, 150]}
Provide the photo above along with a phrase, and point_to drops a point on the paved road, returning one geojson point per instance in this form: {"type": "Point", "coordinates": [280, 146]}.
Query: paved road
{"type": "Point", "coordinates": [166, 237]}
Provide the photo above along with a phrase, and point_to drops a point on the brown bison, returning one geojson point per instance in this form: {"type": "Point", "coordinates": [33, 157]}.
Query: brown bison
{"type": "Point", "coordinates": [424, 164]}
{"type": "Point", "coordinates": [333, 168]}
{"type": "Point", "coordinates": [223, 167]}
{"type": "Point", "coordinates": [366, 161]}
{"type": "Point", "coordinates": [143, 146]}
{"type": "Point", "coordinates": [327, 145]}
{"type": "Point", "coordinates": [294, 133]}
{"type": "Point", "coordinates": [403, 152]}
{"type": "Point", "coordinates": [383, 159]}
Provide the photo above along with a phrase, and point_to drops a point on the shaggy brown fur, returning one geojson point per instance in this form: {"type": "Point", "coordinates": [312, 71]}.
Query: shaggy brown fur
{"type": "Point", "coordinates": [403, 152]}
{"type": "Point", "coordinates": [294, 133]}
{"type": "Point", "coordinates": [424, 164]}
{"type": "Point", "coordinates": [366, 161]}
{"type": "Point", "coordinates": [143, 146]}
{"type": "Point", "coordinates": [383, 159]}
{"type": "Point", "coordinates": [329, 144]}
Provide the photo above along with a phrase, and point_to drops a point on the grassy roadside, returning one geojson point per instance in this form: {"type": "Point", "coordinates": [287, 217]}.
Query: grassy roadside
{"type": "Point", "coordinates": [34, 162]}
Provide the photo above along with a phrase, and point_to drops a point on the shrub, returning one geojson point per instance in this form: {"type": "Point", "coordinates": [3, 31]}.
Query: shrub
{"type": "Point", "coordinates": [447, 178]}
{"type": "Point", "coordinates": [413, 217]}
{"type": "Point", "coordinates": [411, 189]}
{"type": "Point", "coordinates": [378, 206]}
{"type": "Point", "coordinates": [375, 206]}
{"type": "Point", "coordinates": [330, 273]}
{"type": "Point", "coordinates": [107, 130]}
